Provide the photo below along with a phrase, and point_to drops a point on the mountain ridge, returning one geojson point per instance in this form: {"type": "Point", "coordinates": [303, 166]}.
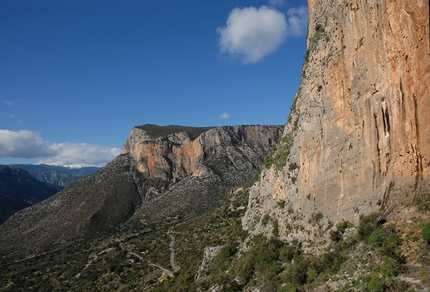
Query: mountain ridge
{"type": "Point", "coordinates": [18, 190]}
{"type": "Point", "coordinates": [110, 196]}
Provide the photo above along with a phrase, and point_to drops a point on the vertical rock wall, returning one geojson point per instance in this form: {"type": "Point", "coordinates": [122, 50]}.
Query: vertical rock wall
{"type": "Point", "coordinates": [360, 124]}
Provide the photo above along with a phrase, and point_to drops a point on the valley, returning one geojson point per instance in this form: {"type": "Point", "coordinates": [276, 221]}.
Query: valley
{"type": "Point", "coordinates": [337, 199]}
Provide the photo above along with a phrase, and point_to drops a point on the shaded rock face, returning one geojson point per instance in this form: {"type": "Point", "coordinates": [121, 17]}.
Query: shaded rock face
{"type": "Point", "coordinates": [175, 174]}
{"type": "Point", "coordinates": [19, 190]}
{"type": "Point", "coordinates": [359, 129]}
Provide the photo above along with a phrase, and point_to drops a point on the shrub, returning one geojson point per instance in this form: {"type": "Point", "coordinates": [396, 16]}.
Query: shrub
{"type": "Point", "coordinates": [343, 225]}
{"type": "Point", "coordinates": [276, 228]}
{"type": "Point", "coordinates": [390, 268]}
{"type": "Point", "coordinates": [298, 271]}
{"type": "Point", "coordinates": [265, 219]}
{"type": "Point", "coordinates": [426, 232]}
{"type": "Point", "coordinates": [376, 237]}
{"type": "Point", "coordinates": [224, 258]}
{"type": "Point", "coordinates": [286, 253]}
{"type": "Point", "coordinates": [367, 225]}
{"type": "Point", "coordinates": [331, 261]}
{"type": "Point", "coordinates": [335, 235]}
{"type": "Point", "coordinates": [375, 285]}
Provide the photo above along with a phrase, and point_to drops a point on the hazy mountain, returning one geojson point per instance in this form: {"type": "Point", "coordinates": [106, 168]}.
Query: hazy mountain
{"type": "Point", "coordinates": [55, 174]}
{"type": "Point", "coordinates": [18, 190]}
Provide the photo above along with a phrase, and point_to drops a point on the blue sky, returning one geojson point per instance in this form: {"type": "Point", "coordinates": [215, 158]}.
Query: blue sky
{"type": "Point", "coordinates": [76, 76]}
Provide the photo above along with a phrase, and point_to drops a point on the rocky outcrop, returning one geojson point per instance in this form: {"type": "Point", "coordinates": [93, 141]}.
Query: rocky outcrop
{"type": "Point", "coordinates": [210, 253]}
{"type": "Point", "coordinates": [205, 170]}
{"type": "Point", "coordinates": [357, 140]}
{"type": "Point", "coordinates": [176, 155]}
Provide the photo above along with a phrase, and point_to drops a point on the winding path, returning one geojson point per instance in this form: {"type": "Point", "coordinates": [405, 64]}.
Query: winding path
{"type": "Point", "coordinates": [172, 254]}
{"type": "Point", "coordinates": [164, 270]}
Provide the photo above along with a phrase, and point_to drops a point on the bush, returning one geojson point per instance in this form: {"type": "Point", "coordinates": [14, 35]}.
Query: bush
{"type": "Point", "coordinates": [390, 268]}
{"type": "Point", "coordinates": [376, 285]}
{"type": "Point", "coordinates": [376, 237]}
{"type": "Point", "coordinates": [426, 232]}
{"type": "Point", "coordinates": [335, 235]}
{"type": "Point", "coordinates": [343, 225]}
{"type": "Point", "coordinates": [299, 270]}
{"type": "Point", "coordinates": [286, 253]}
{"type": "Point", "coordinates": [367, 225]}
{"type": "Point", "coordinates": [223, 260]}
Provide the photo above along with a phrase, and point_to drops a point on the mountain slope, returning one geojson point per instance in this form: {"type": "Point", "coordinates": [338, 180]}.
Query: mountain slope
{"type": "Point", "coordinates": [171, 170]}
{"type": "Point", "coordinates": [19, 190]}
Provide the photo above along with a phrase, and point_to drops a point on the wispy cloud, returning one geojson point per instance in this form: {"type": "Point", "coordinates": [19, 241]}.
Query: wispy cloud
{"type": "Point", "coordinates": [29, 144]}
{"type": "Point", "coordinates": [276, 2]}
{"type": "Point", "coordinates": [251, 34]}
{"type": "Point", "coordinates": [224, 116]}
{"type": "Point", "coordinates": [8, 102]}
{"type": "Point", "coordinates": [297, 19]}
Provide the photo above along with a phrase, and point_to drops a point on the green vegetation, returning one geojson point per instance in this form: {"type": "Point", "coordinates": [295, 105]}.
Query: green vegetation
{"type": "Point", "coordinates": [280, 155]}
{"type": "Point", "coordinates": [313, 40]}
{"type": "Point", "coordinates": [160, 131]}
{"type": "Point", "coordinates": [422, 201]}
{"type": "Point", "coordinates": [426, 232]}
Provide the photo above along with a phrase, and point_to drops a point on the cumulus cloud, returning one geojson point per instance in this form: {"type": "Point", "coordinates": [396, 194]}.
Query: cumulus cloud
{"type": "Point", "coordinates": [252, 33]}
{"type": "Point", "coordinates": [28, 145]}
{"type": "Point", "coordinates": [23, 144]}
{"type": "Point", "coordinates": [224, 116]}
{"type": "Point", "coordinates": [80, 154]}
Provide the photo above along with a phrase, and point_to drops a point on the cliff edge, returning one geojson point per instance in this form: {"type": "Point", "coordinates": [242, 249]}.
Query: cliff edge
{"type": "Point", "coordinates": [357, 139]}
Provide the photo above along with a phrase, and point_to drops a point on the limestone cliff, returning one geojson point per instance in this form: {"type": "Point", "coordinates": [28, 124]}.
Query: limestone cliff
{"type": "Point", "coordinates": [176, 155]}
{"type": "Point", "coordinates": [357, 139]}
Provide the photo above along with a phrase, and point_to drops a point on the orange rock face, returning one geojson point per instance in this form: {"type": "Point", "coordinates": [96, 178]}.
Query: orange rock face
{"type": "Point", "coordinates": [175, 156]}
{"type": "Point", "coordinates": [361, 119]}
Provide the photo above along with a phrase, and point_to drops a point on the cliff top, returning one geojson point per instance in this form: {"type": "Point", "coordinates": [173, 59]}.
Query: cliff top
{"type": "Point", "coordinates": [156, 131]}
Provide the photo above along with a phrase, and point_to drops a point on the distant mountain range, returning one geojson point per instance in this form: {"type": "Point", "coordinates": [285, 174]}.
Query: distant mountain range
{"type": "Point", "coordinates": [56, 175]}
{"type": "Point", "coordinates": [24, 185]}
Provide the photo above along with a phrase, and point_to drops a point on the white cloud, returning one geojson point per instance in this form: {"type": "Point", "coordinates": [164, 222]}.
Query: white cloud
{"type": "Point", "coordinates": [80, 154]}
{"type": "Point", "coordinates": [8, 102]}
{"type": "Point", "coordinates": [252, 33]}
{"type": "Point", "coordinates": [224, 116]}
{"type": "Point", "coordinates": [297, 21]}
{"type": "Point", "coordinates": [28, 144]}
{"type": "Point", "coordinates": [23, 144]}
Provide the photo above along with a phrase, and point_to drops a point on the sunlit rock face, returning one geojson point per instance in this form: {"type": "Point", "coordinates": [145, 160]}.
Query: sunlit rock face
{"type": "Point", "coordinates": [358, 134]}
{"type": "Point", "coordinates": [176, 155]}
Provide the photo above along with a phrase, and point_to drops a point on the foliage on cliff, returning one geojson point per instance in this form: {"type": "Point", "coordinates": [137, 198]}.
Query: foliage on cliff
{"type": "Point", "coordinates": [159, 131]}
